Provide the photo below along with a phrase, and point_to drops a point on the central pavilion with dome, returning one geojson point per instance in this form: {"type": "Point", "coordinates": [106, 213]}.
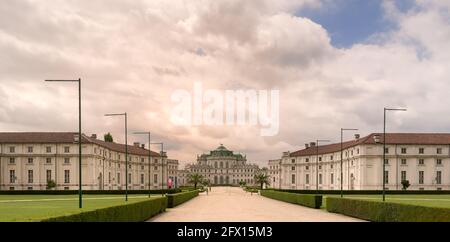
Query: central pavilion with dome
{"type": "Point", "coordinates": [221, 167]}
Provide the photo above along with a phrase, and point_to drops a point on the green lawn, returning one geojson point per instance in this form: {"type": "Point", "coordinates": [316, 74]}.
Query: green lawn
{"type": "Point", "coordinates": [440, 201]}
{"type": "Point", "coordinates": [38, 207]}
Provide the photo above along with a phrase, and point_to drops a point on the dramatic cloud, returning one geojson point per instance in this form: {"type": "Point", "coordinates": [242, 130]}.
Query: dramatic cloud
{"type": "Point", "coordinates": [132, 55]}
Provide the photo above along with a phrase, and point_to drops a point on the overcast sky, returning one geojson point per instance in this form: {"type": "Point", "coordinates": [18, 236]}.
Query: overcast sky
{"type": "Point", "coordinates": [336, 63]}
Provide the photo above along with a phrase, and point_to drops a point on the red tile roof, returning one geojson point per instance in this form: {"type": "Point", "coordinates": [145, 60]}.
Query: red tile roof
{"type": "Point", "coordinates": [391, 138]}
{"type": "Point", "coordinates": [66, 138]}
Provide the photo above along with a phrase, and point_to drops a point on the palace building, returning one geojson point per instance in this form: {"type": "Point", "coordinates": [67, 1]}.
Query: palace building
{"type": "Point", "coordinates": [423, 159]}
{"type": "Point", "coordinates": [29, 160]}
{"type": "Point", "coordinates": [221, 167]}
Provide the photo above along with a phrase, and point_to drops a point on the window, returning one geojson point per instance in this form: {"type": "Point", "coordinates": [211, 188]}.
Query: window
{"type": "Point", "coordinates": [307, 160]}
{"type": "Point", "coordinates": [439, 150]}
{"type": "Point", "coordinates": [331, 166]}
{"type": "Point", "coordinates": [293, 168]}
{"type": "Point", "coordinates": [357, 151]}
{"type": "Point", "coordinates": [403, 161]}
{"type": "Point", "coordinates": [307, 179]}
{"type": "Point", "coordinates": [156, 168]}
{"type": "Point", "coordinates": [403, 151]}
{"type": "Point", "coordinates": [331, 157]}
{"type": "Point", "coordinates": [142, 178]}
{"type": "Point", "coordinates": [142, 167]}
{"type": "Point", "coordinates": [118, 178]}
{"type": "Point", "coordinates": [67, 149]}
{"type": "Point", "coordinates": [109, 177]}
{"type": "Point", "coordinates": [293, 179]}
{"type": "Point", "coordinates": [421, 177]}
{"type": "Point", "coordinates": [155, 178]}
{"type": "Point", "coordinates": [48, 160]}
{"type": "Point", "coordinates": [386, 161]}
{"type": "Point", "coordinates": [66, 176]}
{"type": "Point", "coordinates": [12, 176]}
{"type": "Point", "coordinates": [331, 178]}
{"type": "Point", "coordinates": [320, 167]}
{"type": "Point", "coordinates": [293, 160]}
{"type": "Point", "coordinates": [12, 160]}
{"type": "Point", "coordinates": [306, 167]}
{"type": "Point", "coordinates": [403, 176]}
{"type": "Point", "coordinates": [66, 160]}
{"type": "Point", "coordinates": [30, 149]}
{"type": "Point", "coordinates": [421, 161]}
{"type": "Point", "coordinates": [129, 177]}
{"type": "Point", "coordinates": [30, 160]}
{"type": "Point", "coordinates": [320, 178]}
{"type": "Point", "coordinates": [142, 159]}
{"type": "Point", "coordinates": [421, 150]}
{"type": "Point", "coordinates": [320, 158]}
{"type": "Point", "coordinates": [49, 175]}
{"type": "Point", "coordinates": [386, 150]}
{"type": "Point", "coordinates": [30, 176]}
{"type": "Point", "coordinates": [386, 177]}
{"type": "Point", "coordinates": [12, 149]}
{"type": "Point", "coordinates": [438, 177]}
{"type": "Point", "coordinates": [439, 162]}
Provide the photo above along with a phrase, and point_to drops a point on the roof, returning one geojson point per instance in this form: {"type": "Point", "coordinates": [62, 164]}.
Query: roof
{"type": "Point", "coordinates": [391, 139]}
{"type": "Point", "coordinates": [221, 151]}
{"type": "Point", "coordinates": [66, 138]}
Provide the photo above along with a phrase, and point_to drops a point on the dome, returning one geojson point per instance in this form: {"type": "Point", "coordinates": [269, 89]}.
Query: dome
{"type": "Point", "coordinates": [221, 148]}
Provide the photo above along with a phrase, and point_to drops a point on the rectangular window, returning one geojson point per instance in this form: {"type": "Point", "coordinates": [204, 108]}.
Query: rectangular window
{"type": "Point", "coordinates": [109, 177]}
{"type": "Point", "coordinates": [320, 158]}
{"type": "Point", "coordinates": [30, 160]}
{"type": "Point", "coordinates": [421, 150]}
{"type": "Point", "coordinates": [403, 151]}
{"type": "Point", "coordinates": [155, 178]}
{"type": "Point", "coordinates": [30, 176]}
{"type": "Point", "coordinates": [293, 160]}
{"type": "Point", "coordinates": [48, 149]}
{"type": "Point", "coordinates": [293, 168]}
{"type": "Point", "coordinates": [307, 167]}
{"type": "Point", "coordinates": [439, 150]}
{"type": "Point", "coordinates": [403, 162]}
{"type": "Point", "coordinates": [331, 178]}
{"type": "Point", "coordinates": [48, 160]}
{"type": "Point", "coordinates": [439, 177]}
{"type": "Point", "coordinates": [386, 150]}
{"type": "Point", "coordinates": [421, 177]}
{"type": "Point", "coordinates": [439, 162]}
{"type": "Point", "coordinates": [307, 179]}
{"type": "Point", "coordinates": [30, 149]}
{"type": "Point", "coordinates": [142, 178]}
{"type": "Point", "coordinates": [12, 176]}
{"type": "Point", "coordinates": [307, 160]}
{"type": "Point", "coordinates": [67, 149]}
{"type": "Point", "coordinates": [66, 160]}
{"type": "Point", "coordinates": [118, 178]}
{"type": "Point", "coordinates": [386, 177]}
{"type": "Point", "coordinates": [12, 160]}
{"type": "Point", "coordinates": [331, 157]}
{"type": "Point", "coordinates": [129, 177]}
{"type": "Point", "coordinates": [66, 176]}
{"type": "Point", "coordinates": [320, 178]}
{"type": "Point", "coordinates": [12, 149]}
{"type": "Point", "coordinates": [421, 161]}
{"type": "Point", "coordinates": [49, 175]}
{"type": "Point", "coordinates": [386, 161]}
{"type": "Point", "coordinates": [293, 179]}
{"type": "Point", "coordinates": [403, 176]}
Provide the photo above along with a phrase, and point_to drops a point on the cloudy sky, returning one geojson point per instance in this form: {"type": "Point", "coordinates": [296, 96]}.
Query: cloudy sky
{"type": "Point", "coordinates": [337, 63]}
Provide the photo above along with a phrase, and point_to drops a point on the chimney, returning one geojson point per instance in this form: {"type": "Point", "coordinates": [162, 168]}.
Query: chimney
{"type": "Point", "coordinates": [136, 144]}
{"type": "Point", "coordinates": [312, 144]}
{"type": "Point", "coordinates": [357, 136]}
{"type": "Point", "coordinates": [75, 138]}
{"type": "Point", "coordinates": [306, 146]}
{"type": "Point", "coordinates": [143, 146]}
{"type": "Point", "coordinates": [94, 136]}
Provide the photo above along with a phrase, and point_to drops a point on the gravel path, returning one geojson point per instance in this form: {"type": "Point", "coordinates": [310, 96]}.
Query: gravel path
{"type": "Point", "coordinates": [232, 204]}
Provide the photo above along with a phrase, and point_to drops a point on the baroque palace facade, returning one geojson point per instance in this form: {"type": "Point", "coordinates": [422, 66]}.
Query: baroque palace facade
{"type": "Point", "coordinates": [423, 159]}
{"type": "Point", "coordinates": [29, 160]}
{"type": "Point", "coordinates": [221, 167]}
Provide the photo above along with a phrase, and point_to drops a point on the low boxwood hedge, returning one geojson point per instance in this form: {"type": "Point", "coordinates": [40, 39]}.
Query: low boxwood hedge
{"type": "Point", "coordinates": [131, 212]}
{"type": "Point", "coordinates": [378, 211]}
{"type": "Point", "coordinates": [366, 192]}
{"type": "Point", "coordinates": [179, 198]}
{"type": "Point", "coordinates": [312, 201]}
{"type": "Point", "coordinates": [94, 192]}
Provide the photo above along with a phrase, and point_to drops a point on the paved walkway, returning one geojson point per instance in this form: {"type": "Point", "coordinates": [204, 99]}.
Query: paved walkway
{"type": "Point", "coordinates": [232, 204]}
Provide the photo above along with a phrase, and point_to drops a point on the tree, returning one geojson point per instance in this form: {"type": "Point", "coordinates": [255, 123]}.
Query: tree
{"type": "Point", "coordinates": [108, 137]}
{"type": "Point", "coordinates": [195, 178]}
{"type": "Point", "coordinates": [242, 183]}
{"type": "Point", "coordinates": [262, 178]}
{"type": "Point", "coordinates": [51, 184]}
{"type": "Point", "coordinates": [405, 184]}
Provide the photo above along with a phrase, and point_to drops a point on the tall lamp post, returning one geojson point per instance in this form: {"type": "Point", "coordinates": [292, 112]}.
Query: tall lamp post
{"type": "Point", "coordinates": [149, 159]}
{"type": "Point", "coordinates": [317, 162]}
{"type": "Point", "coordinates": [162, 166]}
{"type": "Point", "coordinates": [126, 149]}
{"type": "Point", "coordinates": [342, 157]}
{"type": "Point", "coordinates": [384, 147]}
{"type": "Point", "coordinates": [80, 190]}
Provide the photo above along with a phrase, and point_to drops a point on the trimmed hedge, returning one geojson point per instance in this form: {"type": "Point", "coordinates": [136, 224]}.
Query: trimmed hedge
{"type": "Point", "coordinates": [179, 198]}
{"type": "Point", "coordinates": [131, 212]}
{"type": "Point", "coordinates": [378, 211]}
{"type": "Point", "coordinates": [367, 192]}
{"type": "Point", "coordinates": [93, 192]}
{"type": "Point", "coordinates": [312, 201]}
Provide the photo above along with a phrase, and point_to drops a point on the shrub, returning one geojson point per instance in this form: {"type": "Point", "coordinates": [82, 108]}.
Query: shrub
{"type": "Point", "coordinates": [378, 211]}
{"type": "Point", "coordinates": [366, 192]}
{"type": "Point", "coordinates": [312, 201]}
{"type": "Point", "coordinates": [131, 212]}
{"type": "Point", "coordinates": [179, 198]}
{"type": "Point", "coordinates": [94, 192]}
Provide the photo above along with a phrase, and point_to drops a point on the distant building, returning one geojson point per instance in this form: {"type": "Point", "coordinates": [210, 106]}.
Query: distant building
{"type": "Point", "coordinates": [29, 160]}
{"type": "Point", "coordinates": [422, 159]}
{"type": "Point", "coordinates": [221, 167]}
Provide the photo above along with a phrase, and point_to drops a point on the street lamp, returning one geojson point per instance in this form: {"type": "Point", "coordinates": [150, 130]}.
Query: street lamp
{"type": "Point", "coordinates": [317, 162]}
{"type": "Point", "coordinates": [149, 159]}
{"type": "Point", "coordinates": [342, 157]}
{"type": "Point", "coordinates": [384, 147]}
{"type": "Point", "coordinates": [126, 149]}
{"type": "Point", "coordinates": [162, 166]}
{"type": "Point", "coordinates": [80, 192]}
